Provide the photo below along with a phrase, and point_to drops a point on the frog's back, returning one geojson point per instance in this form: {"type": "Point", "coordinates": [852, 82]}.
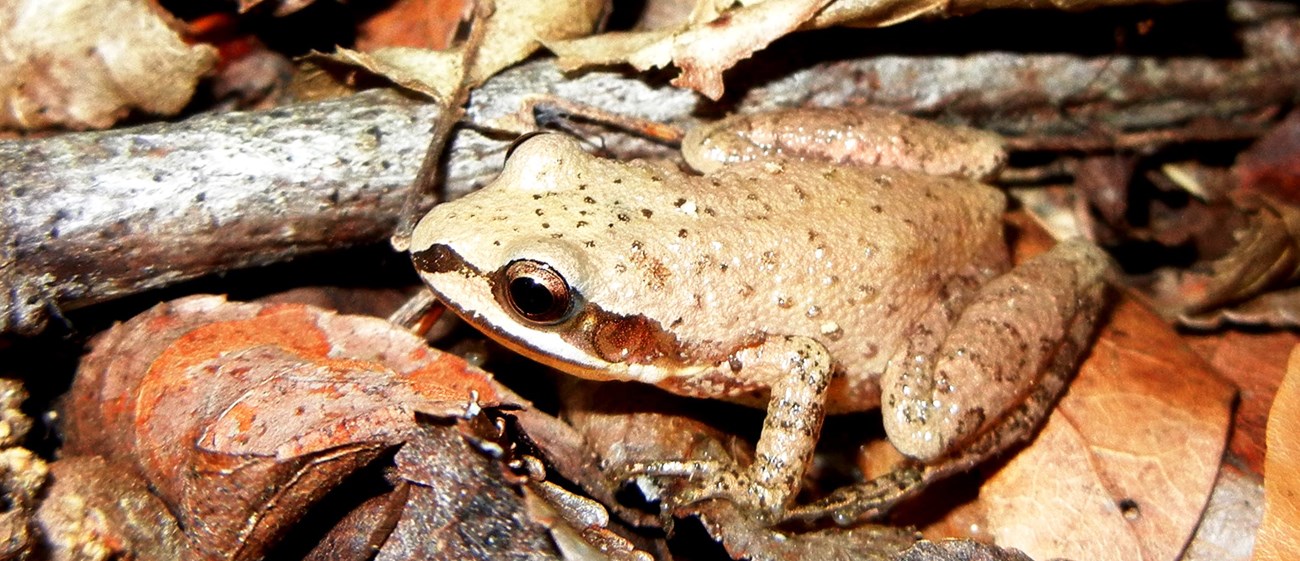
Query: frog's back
{"type": "Point", "coordinates": [853, 257]}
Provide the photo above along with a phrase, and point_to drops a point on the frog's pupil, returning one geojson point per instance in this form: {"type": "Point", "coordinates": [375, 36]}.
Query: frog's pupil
{"type": "Point", "coordinates": [531, 297]}
{"type": "Point", "coordinates": [536, 291]}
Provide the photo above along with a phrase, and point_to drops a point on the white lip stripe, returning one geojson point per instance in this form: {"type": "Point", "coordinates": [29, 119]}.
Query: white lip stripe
{"type": "Point", "coordinates": [476, 303]}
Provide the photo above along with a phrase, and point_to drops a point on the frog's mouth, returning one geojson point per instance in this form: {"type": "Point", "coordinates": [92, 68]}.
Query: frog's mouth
{"type": "Point", "coordinates": [591, 343]}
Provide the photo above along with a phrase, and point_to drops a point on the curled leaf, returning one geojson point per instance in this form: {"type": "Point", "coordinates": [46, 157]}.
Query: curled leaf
{"type": "Point", "coordinates": [85, 64]}
{"type": "Point", "coordinates": [1278, 308]}
{"type": "Point", "coordinates": [1266, 256]}
{"type": "Point", "coordinates": [702, 51]}
{"type": "Point", "coordinates": [432, 73]}
{"type": "Point", "coordinates": [713, 40]}
{"type": "Point", "coordinates": [514, 30]}
{"type": "Point", "coordinates": [241, 415]}
{"type": "Point", "coordinates": [459, 505]}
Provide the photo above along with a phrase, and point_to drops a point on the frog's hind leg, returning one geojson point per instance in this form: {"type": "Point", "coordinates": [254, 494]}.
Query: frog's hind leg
{"type": "Point", "coordinates": [872, 499]}
{"type": "Point", "coordinates": [975, 399]}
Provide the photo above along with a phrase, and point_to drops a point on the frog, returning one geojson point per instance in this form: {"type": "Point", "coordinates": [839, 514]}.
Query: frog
{"type": "Point", "coordinates": [850, 280]}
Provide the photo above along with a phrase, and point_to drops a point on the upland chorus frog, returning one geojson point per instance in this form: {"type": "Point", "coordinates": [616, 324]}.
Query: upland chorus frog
{"type": "Point", "coordinates": [808, 287]}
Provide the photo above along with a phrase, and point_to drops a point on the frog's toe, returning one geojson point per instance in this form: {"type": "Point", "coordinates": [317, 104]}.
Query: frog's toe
{"type": "Point", "coordinates": [665, 468]}
{"type": "Point", "coordinates": [695, 481]}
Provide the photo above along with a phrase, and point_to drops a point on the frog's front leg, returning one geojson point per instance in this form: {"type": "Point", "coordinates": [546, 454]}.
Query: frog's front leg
{"type": "Point", "coordinates": [798, 371]}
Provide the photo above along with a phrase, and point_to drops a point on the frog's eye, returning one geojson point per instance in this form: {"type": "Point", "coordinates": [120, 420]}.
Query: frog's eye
{"type": "Point", "coordinates": [537, 292]}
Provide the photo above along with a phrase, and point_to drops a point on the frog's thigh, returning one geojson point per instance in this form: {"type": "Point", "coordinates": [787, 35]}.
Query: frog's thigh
{"type": "Point", "coordinates": [1005, 338]}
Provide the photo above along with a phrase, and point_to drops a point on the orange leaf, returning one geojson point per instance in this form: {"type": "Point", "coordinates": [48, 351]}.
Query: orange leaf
{"type": "Point", "coordinates": [1255, 362]}
{"type": "Point", "coordinates": [1277, 539]}
{"type": "Point", "coordinates": [1124, 466]}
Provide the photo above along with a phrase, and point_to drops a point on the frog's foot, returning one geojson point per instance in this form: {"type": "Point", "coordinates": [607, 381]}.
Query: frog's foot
{"type": "Point", "coordinates": [867, 500]}
{"type": "Point", "coordinates": [798, 370]}
{"type": "Point", "coordinates": [704, 480]}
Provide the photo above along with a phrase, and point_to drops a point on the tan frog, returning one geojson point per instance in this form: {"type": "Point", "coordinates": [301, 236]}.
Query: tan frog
{"type": "Point", "coordinates": [806, 287]}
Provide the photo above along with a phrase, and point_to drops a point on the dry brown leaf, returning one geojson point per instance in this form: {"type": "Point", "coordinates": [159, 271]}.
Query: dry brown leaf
{"type": "Point", "coordinates": [239, 416]}
{"type": "Point", "coordinates": [1125, 465]}
{"type": "Point", "coordinates": [579, 525]}
{"type": "Point", "coordinates": [702, 50]}
{"type": "Point", "coordinates": [428, 24]}
{"type": "Point", "coordinates": [880, 13]}
{"type": "Point", "coordinates": [515, 30]}
{"type": "Point", "coordinates": [666, 14]}
{"type": "Point", "coordinates": [432, 73]}
{"type": "Point", "coordinates": [1267, 255]}
{"type": "Point", "coordinates": [1270, 167]}
{"type": "Point", "coordinates": [363, 530]}
{"type": "Point", "coordinates": [719, 34]}
{"type": "Point", "coordinates": [86, 63]}
{"type": "Point", "coordinates": [96, 510]}
{"type": "Point", "coordinates": [1255, 363]}
{"type": "Point", "coordinates": [519, 27]}
{"type": "Point", "coordinates": [281, 7]}
{"type": "Point", "coordinates": [1278, 539]}
{"type": "Point", "coordinates": [1278, 308]}
{"type": "Point", "coordinates": [461, 504]}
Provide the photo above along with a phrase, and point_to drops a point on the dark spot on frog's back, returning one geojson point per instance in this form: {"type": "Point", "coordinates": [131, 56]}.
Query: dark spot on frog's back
{"type": "Point", "coordinates": [439, 258]}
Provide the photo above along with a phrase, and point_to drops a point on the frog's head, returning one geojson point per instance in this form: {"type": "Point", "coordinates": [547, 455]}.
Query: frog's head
{"type": "Point", "coordinates": [493, 257]}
